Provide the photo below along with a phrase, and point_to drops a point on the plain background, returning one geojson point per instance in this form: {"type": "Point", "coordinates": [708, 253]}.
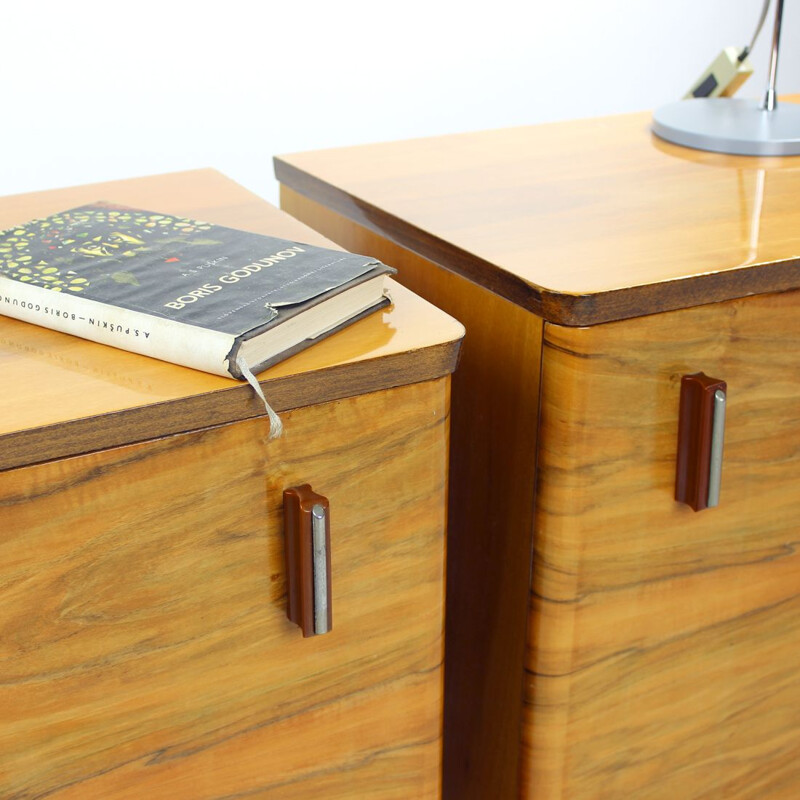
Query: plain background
{"type": "Point", "coordinates": [95, 91]}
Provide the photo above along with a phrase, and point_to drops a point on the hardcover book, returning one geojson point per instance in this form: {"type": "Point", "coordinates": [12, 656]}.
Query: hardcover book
{"type": "Point", "coordinates": [205, 296]}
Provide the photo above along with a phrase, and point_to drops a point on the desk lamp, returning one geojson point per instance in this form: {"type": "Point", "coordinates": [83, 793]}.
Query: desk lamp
{"type": "Point", "coordinates": [737, 126]}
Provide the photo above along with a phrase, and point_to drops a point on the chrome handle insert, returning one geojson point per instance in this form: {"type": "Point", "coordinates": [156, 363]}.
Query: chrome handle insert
{"type": "Point", "coordinates": [319, 524]}
{"type": "Point", "coordinates": [717, 438]}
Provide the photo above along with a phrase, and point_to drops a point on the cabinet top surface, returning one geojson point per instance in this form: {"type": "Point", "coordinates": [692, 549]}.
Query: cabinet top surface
{"type": "Point", "coordinates": [57, 386]}
{"type": "Point", "coordinates": [582, 222]}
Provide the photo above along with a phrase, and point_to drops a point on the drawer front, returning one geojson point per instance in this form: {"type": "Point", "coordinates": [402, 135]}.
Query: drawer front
{"type": "Point", "coordinates": [144, 644]}
{"type": "Point", "coordinates": [663, 643]}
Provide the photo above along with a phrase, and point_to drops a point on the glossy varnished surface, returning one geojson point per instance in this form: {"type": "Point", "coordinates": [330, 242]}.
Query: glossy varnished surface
{"type": "Point", "coordinates": [61, 389]}
{"type": "Point", "coordinates": [661, 652]}
{"type": "Point", "coordinates": [144, 647]}
{"type": "Point", "coordinates": [663, 642]}
{"type": "Point", "coordinates": [492, 472]}
{"type": "Point", "coordinates": [580, 222]}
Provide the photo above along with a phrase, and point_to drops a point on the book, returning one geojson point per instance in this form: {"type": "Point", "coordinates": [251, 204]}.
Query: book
{"type": "Point", "coordinates": [205, 296]}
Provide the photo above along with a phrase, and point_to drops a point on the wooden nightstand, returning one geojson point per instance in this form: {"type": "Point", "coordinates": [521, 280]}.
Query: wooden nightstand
{"type": "Point", "coordinates": [603, 640]}
{"type": "Point", "coordinates": [145, 649]}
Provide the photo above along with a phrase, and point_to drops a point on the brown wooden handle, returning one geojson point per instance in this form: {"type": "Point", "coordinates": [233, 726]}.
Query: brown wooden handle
{"type": "Point", "coordinates": [306, 527]}
{"type": "Point", "coordinates": [700, 433]}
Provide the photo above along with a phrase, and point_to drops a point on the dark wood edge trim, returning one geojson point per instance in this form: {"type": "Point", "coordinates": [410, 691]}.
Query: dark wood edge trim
{"type": "Point", "coordinates": [674, 295]}
{"type": "Point", "coordinates": [556, 307]}
{"type": "Point", "coordinates": [238, 402]}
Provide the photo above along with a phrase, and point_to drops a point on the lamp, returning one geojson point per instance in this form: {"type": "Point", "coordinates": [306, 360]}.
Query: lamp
{"type": "Point", "coordinates": [733, 125]}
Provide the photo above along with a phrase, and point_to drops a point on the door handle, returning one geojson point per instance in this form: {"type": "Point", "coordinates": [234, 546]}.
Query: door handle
{"type": "Point", "coordinates": [307, 541]}
{"type": "Point", "coordinates": [701, 431]}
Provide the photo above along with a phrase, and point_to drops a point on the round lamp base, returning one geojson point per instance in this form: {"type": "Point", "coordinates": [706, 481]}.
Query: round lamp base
{"type": "Point", "coordinates": [731, 125]}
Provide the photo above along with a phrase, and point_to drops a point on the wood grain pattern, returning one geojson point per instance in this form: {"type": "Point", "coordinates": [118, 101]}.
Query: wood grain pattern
{"type": "Point", "coordinates": [492, 470]}
{"type": "Point", "coordinates": [580, 222]}
{"type": "Point", "coordinates": [73, 396]}
{"type": "Point", "coordinates": [144, 645]}
{"type": "Point", "coordinates": [663, 643]}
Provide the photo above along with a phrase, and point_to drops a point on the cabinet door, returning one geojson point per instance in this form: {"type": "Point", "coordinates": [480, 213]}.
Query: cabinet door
{"type": "Point", "coordinates": [144, 644]}
{"type": "Point", "coordinates": [664, 642]}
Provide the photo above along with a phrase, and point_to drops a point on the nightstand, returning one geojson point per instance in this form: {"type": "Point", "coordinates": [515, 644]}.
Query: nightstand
{"type": "Point", "coordinates": [145, 647]}
{"type": "Point", "coordinates": [603, 639]}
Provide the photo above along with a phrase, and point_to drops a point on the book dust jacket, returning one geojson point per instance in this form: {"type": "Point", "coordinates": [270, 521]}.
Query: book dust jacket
{"type": "Point", "coordinates": [171, 267]}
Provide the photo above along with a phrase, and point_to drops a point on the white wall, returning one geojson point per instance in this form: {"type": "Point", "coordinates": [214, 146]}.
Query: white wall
{"type": "Point", "coordinates": [99, 90]}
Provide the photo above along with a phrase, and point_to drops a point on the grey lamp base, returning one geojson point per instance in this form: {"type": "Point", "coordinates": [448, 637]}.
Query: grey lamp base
{"type": "Point", "coordinates": [731, 125]}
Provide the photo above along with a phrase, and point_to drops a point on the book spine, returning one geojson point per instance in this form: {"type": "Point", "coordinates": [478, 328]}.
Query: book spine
{"type": "Point", "coordinates": [176, 342]}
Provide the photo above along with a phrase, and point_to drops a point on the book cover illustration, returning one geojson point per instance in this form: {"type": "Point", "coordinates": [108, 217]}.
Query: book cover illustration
{"type": "Point", "coordinates": [172, 267]}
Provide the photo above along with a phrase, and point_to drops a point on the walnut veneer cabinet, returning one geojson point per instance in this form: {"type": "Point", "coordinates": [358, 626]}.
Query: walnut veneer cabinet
{"type": "Point", "coordinates": [603, 640]}
{"type": "Point", "coordinates": [145, 650]}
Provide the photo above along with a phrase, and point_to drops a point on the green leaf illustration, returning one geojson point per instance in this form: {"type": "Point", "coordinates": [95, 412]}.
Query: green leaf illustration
{"type": "Point", "coordinates": [125, 277]}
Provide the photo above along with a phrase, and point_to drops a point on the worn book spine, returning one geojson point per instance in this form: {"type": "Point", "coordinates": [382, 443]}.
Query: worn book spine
{"type": "Point", "coordinates": [177, 342]}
